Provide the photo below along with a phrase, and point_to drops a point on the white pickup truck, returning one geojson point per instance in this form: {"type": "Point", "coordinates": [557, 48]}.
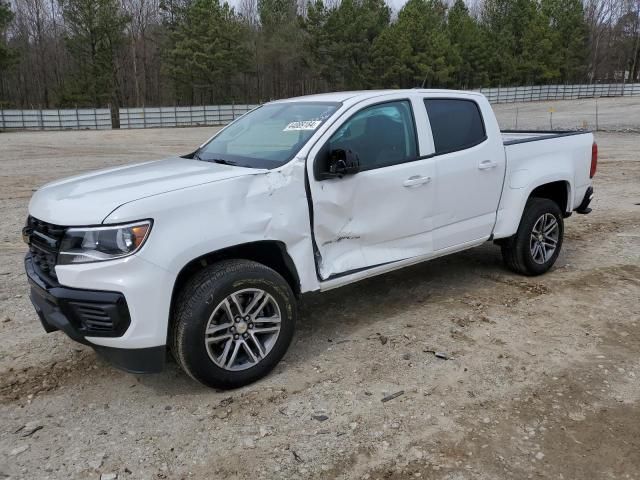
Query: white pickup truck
{"type": "Point", "coordinates": [204, 255]}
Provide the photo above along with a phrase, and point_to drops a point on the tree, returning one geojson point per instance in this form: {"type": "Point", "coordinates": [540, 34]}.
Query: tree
{"type": "Point", "coordinates": [351, 30]}
{"type": "Point", "coordinates": [505, 24]}
{"type": "Point", "coordinates": [280, 56]}
{"type": "Point", "coordinates": [416, 49]}
{"type": "Point", "coordinates": [539, 60]}
{"type": "Point", "coordinates": [7, 55]}
{"type": "Point", "coordinates": [207, 52]}
{"type": "Point", "coordinates": [144, 15]}
{"type": "Point", "coordinates": [469, 44]}
{"type": "Point", "coordinates": [166, 52]}
{"type": "Point", "coordinates": [568, 19]}
{"type": "Point", "coordinates": [95, 37]}
{"type": "Point", "coordinates": [316, 43]}
{"type": "Point", "coordinates": [628, 28]}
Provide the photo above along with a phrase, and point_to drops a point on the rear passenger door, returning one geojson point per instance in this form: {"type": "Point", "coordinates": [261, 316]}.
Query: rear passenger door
{"type": "Point", "coordinates": [469, 172]}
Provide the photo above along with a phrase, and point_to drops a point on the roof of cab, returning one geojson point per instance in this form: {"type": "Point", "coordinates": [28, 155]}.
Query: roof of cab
{"type": "Point", "coordinates": [366, 94]}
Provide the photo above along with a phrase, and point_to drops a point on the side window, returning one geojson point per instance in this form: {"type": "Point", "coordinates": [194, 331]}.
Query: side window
{"type": "Point", "coordinates": [381, 135]}
{"type": "Point", "coordinates": [455, 124]}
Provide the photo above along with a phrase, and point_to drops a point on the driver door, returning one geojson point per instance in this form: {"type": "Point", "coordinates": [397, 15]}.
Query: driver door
{"type": "Point", "coordinates": [384, 212]}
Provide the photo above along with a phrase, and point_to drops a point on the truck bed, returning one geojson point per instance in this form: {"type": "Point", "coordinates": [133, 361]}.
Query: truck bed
{"type": "Point", "coordinates": [512, 137]}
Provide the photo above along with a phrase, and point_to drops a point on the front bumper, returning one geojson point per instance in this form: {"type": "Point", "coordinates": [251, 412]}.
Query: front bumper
{"type": "Point", "coordinates": [95, 314]}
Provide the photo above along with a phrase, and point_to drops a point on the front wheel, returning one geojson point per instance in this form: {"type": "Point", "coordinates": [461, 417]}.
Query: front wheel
{"type": "Point", "coordinates": [536, 245]}
{"type": "Point", "coordinates": [233, 323]}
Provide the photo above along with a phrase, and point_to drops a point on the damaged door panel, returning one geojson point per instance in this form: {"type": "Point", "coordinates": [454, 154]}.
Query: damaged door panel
{"type": "Point", "coordinates": [383, 213]}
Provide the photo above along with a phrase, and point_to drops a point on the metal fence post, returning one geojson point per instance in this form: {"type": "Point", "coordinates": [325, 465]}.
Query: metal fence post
{"type": "Point", "coordinates": [2, 118]}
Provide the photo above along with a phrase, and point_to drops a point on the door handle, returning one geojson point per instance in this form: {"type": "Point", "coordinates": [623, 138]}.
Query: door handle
{"type": "Point", "coordinates": [415, 181]}
{"type": "Point", "coordinates": [487, 164]}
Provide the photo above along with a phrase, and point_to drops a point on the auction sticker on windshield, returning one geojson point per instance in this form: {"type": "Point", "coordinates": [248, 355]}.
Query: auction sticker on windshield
{"type": "Point", "coordinates": [303, 125]}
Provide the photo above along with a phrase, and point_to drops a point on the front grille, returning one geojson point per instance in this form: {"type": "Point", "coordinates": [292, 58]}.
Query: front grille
{"type": "Point", "coordinates": [44, 244]}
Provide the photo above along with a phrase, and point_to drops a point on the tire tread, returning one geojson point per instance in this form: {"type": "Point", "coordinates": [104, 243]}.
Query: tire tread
{"type": "Point", "coordinates": [516, 247]}
{"type": "Point", "coordinates": [195, 291]}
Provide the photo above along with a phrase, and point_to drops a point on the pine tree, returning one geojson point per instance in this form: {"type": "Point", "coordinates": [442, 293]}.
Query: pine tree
{"type": "Point", "coordinates": [317, 61]}
{"type": "Point", "coordinates": [281, 54]}
{"type": "Point", "coordinates": [95, 37]}
{"type": "Point", "coordinates": [567, 18]}
{"type": "Point", "coordinates": [207, 53]}
{"type": "Point", "coordinates": [468, 41]}
{"type": "Point", "coordinates": [416, 50]}
{"type": "Point", "coordinates": [7, 55]}
{"type": "Point", "coordinates": [351, 30]}
{"type": "Point", "coordinates": [505, 24]}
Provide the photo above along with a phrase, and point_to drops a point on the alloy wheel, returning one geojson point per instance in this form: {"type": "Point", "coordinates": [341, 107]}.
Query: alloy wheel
{"type": "Point", "coordinates": [242, 329]}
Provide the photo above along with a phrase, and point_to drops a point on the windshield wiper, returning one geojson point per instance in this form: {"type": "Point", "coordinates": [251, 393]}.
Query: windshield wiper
{"type": "Point", "coordinates": [196, 156]}
{"type": "Point", "coordinates": [221, 161]}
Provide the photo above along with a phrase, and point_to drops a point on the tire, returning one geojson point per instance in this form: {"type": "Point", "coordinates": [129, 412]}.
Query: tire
{"type": "Point", "coordinates": [215, 297]}
{"type": "Point", "coordinates": [519, 251]}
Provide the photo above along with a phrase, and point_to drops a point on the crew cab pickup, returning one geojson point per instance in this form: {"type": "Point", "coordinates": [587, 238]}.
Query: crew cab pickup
{"type": "Point", "coordinates": [205, 255]}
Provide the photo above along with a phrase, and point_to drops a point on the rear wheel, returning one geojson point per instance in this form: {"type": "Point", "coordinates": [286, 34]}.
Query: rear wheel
{"type": "Point", "coordinates": [234, 322]}
{"type": "Point", "coordinates": [536, 245]}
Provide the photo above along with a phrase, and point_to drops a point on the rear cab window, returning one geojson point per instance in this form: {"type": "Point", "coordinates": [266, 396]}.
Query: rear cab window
{"type": "Point", "coordinates": [456, 124]}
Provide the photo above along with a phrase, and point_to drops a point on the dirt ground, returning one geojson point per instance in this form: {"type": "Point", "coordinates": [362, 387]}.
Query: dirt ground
{"type": "Point", "coordinates": [610, 114]}
{"type": "Point", "coordinates": [542, 380]}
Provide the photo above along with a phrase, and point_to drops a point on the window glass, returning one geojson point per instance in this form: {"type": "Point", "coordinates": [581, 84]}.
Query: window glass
{"type": "Point", "coordinates": [269, 136]}
{"type": "Point", "coordinates": [455, 124]}
{"type": "Point", "coordinates": [380, 135]}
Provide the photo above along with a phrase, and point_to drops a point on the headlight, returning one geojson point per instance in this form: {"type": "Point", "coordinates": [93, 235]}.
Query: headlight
{"type": "Point", "coordinates": [97, 244]}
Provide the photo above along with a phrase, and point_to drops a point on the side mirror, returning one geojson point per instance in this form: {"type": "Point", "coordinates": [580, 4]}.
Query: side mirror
{"type": "Point", "coordinates": [342, 162]}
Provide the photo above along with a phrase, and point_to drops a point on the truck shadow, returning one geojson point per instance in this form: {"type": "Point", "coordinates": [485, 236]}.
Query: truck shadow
{"type": "Point", "coordinates": [340, 315]}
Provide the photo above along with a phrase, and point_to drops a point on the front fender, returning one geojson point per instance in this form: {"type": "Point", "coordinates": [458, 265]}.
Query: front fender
{"type": "Point", "coordinates": [195, 221]}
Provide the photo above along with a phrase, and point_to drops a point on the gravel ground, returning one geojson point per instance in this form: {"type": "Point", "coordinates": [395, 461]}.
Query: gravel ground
{"type": "Point", "coordinates": [542, 379]}
{"type": "Point", "coordinates": [608, 114]}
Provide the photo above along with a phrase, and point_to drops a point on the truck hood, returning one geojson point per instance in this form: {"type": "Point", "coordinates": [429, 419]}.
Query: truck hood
{"type": "Point", "coordinates": [89, 198]}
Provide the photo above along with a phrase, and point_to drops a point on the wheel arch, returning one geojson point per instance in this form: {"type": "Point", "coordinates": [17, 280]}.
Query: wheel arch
{"type": "Point", "coordinates": [271, 253]}
{"type": "Point", "coordinates": [514, 200]}
{"type": "Point", "coordinates": [558, 191]}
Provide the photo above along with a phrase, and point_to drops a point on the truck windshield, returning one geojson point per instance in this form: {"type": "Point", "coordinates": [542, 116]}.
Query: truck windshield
{"type": "Point", "coordinates": [268, 136]}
